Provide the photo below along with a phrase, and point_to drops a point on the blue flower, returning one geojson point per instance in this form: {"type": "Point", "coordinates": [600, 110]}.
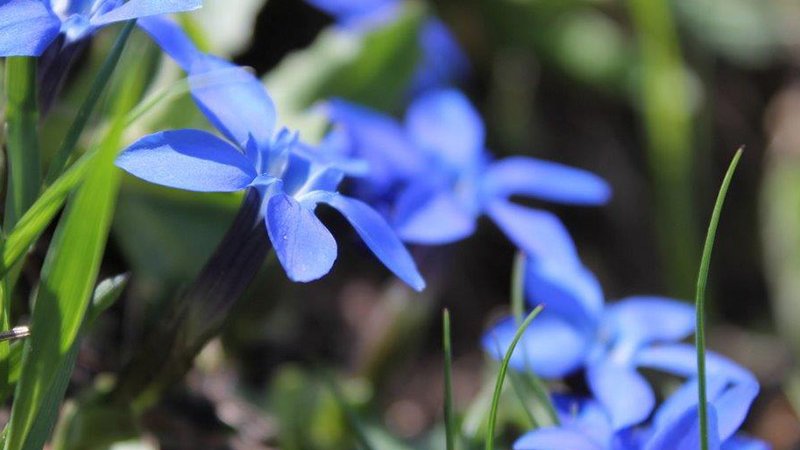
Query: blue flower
{"type": "Point", "coordinates": [585, 425]}
{"type": "Point", "coordinates": [359, 14]}
{"type": "Point", "coordinates": [28, 27]}
{"type": "Point", "coordinates": [433, 176]}
{"type": "Point", "coordinates": [291, 177]}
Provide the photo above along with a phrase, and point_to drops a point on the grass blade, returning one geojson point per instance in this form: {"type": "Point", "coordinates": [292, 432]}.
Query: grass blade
{"type": "Point", "coordinates": [501, 375]}
{"type": "Point", "coordinates": [700, 298]}
{"type": "Point", "coordinates": [63, 153]}
{"type": "Point", "coordinates": [22, 119]}
{"type": "Point", "coordinates": [518, 287]}
{"type": "Point", "coordinates": [38, 217]}
{"type": "Point", "coordinates": [449, 424]}
{"type": "Point", "coordinates": [68, 277]}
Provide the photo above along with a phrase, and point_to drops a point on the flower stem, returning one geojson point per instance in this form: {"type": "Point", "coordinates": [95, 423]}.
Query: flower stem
{"type": "Point", "coordinates": [700, 300]}
{"type": "Point", "coordinates": [199, 314]}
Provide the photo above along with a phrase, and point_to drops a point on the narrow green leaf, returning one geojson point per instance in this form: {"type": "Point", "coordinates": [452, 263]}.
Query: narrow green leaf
{"type": "Point", "coordinates": [501, 375]}
{"type": "Point", "coordinates": [64, 151]}
{"type": "Point", "coordinates": [700, 298]}
{"type": "Point", "coordinates": [449, 420]}
{"type": "Point", "coordinates": [22, 119]}
{"type": "Point", "coordinates": [68, 277]}
{"type": "Point", "coordinates": [38, 217]}
{"type": "Point", "coordinates": [518, 287]}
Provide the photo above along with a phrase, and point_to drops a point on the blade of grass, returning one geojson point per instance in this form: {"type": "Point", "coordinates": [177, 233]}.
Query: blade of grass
{"type": "Point", "coordinates": [38, 217]}
{"type": "Point", "coordinates": [501, 375]}
{"type": "Point", "coordinates": [68, 278]}
{"type": "Point", "coordinates": [700, 298]}
{"type": "Point", "coordinates": [64, 151]}
{"type": "Point", "coordinates": [449, 425]}
{"type": "Point", "coordinates": [534, 383]}
{"type": "Point", "coordinates": [22, 142]}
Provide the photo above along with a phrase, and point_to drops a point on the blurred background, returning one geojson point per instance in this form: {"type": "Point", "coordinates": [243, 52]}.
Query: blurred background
{"type": "Point", "coordinates": [653, 95]}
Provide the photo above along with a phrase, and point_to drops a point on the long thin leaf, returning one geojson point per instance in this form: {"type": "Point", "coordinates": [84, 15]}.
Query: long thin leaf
{"type": "Point", "coordinates": [68, 277]}
{"type": "Point", "coordinates": [501, 376]}
{"type": "Point", "coordinates": [22, 142]}
{"type": "Point", "coordinates": [64, 151]}
{"type": "Point", "coordinates": [449, 424]}
{"type": "Point", "coordinates": [38, 217]}
{"type": "Point", "coordinates": [700, 298]}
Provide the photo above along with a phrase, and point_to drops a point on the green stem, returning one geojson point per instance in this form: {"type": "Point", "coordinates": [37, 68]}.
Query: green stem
{"type": "Point", "coordinates": [59, 161]}
{"type": "Point", "coordinates": [666, 113]}
{"type": "Point", "coordinates": [22, 117]}
{"type": "Point", "coordinates": [448, 382]}
{"type": "Point", "coordinates": [518, 287]}
{"type": "Point", "coordinates": [501, 375]}
{"type": "Point", "coordinates": [700, 299]}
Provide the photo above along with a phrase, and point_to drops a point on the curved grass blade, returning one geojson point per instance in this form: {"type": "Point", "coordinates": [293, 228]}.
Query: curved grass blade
{"type": "Point", "coordinates": [700, 299]}
{"type": "Point", "coordinates": [64, 151]}
{"type": "Point", "coordinates": [501, 375]}
{"type": "Point", "coordinates": [449, 424]}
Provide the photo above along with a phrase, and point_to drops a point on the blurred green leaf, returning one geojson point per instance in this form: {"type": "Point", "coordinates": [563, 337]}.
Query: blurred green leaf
{"type": "Point", "coordinates": [68, 277]}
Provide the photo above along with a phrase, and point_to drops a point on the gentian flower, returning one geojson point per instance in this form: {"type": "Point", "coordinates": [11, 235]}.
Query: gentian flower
{"type": "Point", "coordinates": [433, 177]}
{"type": "Point", "coordinates": [291, 178]}
{"type": "Point", "coordinates": [28, 27]}
{"type": "Point", "coordinates": [585, 425]}
{"type": "Point", "coordinates": [577, 330]}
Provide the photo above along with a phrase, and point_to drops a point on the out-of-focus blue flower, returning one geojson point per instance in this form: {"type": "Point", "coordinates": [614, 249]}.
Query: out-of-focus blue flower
{"type": "Point", "coordinates": [292, 178]}
{"type": "Point", "coordinates": [585, 424]}
{"type": "Point", "coordinates": [442, 61]}
{"type": "Point", "coordinates": [27, 27]}
{"type": "Point", "coordinates": [433, 176]}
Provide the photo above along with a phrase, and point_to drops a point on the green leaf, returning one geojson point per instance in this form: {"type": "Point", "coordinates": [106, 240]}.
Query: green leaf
{"type": "Point", "coordinates": [68, 277]}
{"type": "Point", "coordinates": [63, 153]}
{"type": "Point", "coordinates": [22, 119]}
{"type": "Point", "coordinates": [38, 217]}
{"type": "Point", "coordinates": [501, 376]}
{"type": "Point", "coordinates": [449, 421]}
{"type": "Point", "coordinates": [700, 298]}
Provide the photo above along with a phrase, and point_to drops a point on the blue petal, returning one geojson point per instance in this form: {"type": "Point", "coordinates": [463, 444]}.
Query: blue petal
{"type": "Point", "coordinates": [379, 237]}
{"type": "Point", "coordinates": [539, 234]}
{"type": "Point", "coordinates": [684, 432]}
{"type": "Point", "coordinates": [446, 125]}
{"type": "Point", "coordinates": [234, 101]}
{"type": "Point", "coordinates": [443, 61]}
{"type": "Point", "coordinates": [557, 438]}
{"type": "Point", "coordinates": [744, 443]}
{"type": "Point", "coordinates": [733, 406]}
{"type": "Point", "coordinates": [644, 320]}
{"type": "Point", "coordinates": [681, 360]}
{"type": "Point", "coordinates": [622, 391]}
{"type": "Point", "coordinates": [430, 216]}
{"type": "Point", "coordinates": [531, 177]}
{"type": "Point", "coordinates": [684, 399]}
{"type": "Point", "coordinates": [134, 9]}
{"type": "Point", "coordinates": [305, 248]}
{"type": "Point", "coordinates": [27, 27]}
{"type": "Point", "coordinates": [378, 139]}
{"type": "Point", "coordinates": [359, 14]}
{"type": "Point", "coordinates": [171, 38]}
{"type": "Point", "coordinates": [193, 160]}
{"type": "Point", "coordinates": [571, 292]}
{"type": "Point", "coordinates": [551, 346]}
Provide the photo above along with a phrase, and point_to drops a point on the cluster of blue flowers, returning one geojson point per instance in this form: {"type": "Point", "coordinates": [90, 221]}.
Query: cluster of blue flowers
{"type": "Point", "coordinates": [424, 180]}
{"type": "Point", "coordinates": [608, 343]}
